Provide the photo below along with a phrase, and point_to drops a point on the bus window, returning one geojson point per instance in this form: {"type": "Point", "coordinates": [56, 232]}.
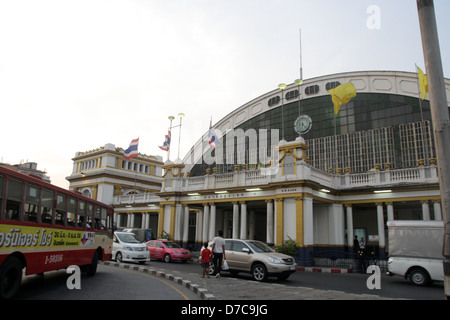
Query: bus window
{"type": "Point", "coordinates": [104, 222]}
{"type": "Point", "coordinates": [81, 214]}
{"type": "Point", "coordinates": [90, 216]}
{"type": "Point", "coordinates": [72, 212]}
{"type": "Point", "coordinates": [60, 210]}
{"type": "Point", "coordinates": [32, 199]}
{"type": "Point", "coordinates": [98, 218]}
{"type": "Point", "coordinates": [2, 188]}
{"type": "Point", "coordinates": [47, 206]}
{"type": "Point", "coordinates": [14, 194]}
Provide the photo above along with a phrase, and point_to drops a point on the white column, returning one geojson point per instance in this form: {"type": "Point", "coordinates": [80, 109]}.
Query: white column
{"type": "Point", "coordinates": [186, 224]}
{"type": "Point", "coordinates": [178, 222]}
{"type": "Point", "coordinates": [425, 210]}
{"type": "Point", "coordinates": [349, 225]}
{"type": "Point", "coordinates": [205, 223]}
{"type": "Point", "coordinates": [132, 221]}
{"type": "Point", "coordinates": [308, 222]}
{"type": "Point", "coordinates": [269, 234]}
{"type": "Point", "coordinates": [390, 211]}
{"type": "Point", "coordinates": [212, 222]}
{"type": "Point", "coordinates": [243, 234]}
{"type": "Point", "coordinates": [437, 210]}
{"type": "Point", "coordinates": [235, 220]}
{"type": "Point", "coordinates": [380, 218]}
{"type": "Point", "coordinates": [337, 223]}
{"type": "Point", "coordinates": [128, 220]}
{"type": "Point", "coordinates": [199, 227]}
{"type": "Point", "coordinates": [144, 215]}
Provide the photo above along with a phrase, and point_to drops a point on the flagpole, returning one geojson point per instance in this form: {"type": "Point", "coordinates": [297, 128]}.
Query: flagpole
{"type": "Point", "coordinates": [335, 144]}
{"type": "Point", "coordinates": [420, 96]}
{"type": "Point", "coordinates": [421, 113]}
{"type": "Point", "coordinates": [301, 63]}
{"type": "Point", "coordinates": [170, 130]}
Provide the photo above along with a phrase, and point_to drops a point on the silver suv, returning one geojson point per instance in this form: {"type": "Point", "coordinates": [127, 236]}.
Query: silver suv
{"type": "Point", "coordinates": [258, 259]}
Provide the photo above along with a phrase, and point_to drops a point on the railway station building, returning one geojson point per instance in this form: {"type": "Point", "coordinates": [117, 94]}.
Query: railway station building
{"type": "Point", "coordinates": [287, 167]}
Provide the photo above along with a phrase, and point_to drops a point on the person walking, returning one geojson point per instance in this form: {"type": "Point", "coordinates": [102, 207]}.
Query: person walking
{"type": "Point", "coordinates": [205, 259]}
{"type": "Point", "coordinates": [218, 249]}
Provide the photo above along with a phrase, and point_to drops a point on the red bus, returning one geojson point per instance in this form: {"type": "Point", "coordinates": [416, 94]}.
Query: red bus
{"type": "Point", "coordinates": [44, 227]}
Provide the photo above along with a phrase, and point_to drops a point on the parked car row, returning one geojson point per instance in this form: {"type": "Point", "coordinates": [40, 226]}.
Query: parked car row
{"type": "Point", "coordinates": [129, 249]}
{"type": "Point", "coordinates": [249, 256]}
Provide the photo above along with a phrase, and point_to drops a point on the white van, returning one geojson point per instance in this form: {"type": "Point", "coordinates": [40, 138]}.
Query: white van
{"type": "Point", "coordinates": [415, 250]}
{"type": "Point", "coordinates": [127, 248]}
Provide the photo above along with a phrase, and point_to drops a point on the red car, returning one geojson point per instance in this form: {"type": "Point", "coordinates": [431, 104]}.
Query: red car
{"type": "Point", "coordinates": [167, 250]}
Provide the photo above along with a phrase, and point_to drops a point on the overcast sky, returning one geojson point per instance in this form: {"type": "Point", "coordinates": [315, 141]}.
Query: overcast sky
{"type": "Point", "coordinates": [75, 75]}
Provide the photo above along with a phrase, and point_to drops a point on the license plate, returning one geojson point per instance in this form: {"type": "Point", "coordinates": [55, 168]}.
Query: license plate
{"type": "Point", "coordinates": [291, 268]}
{"type": "Point", "coordinates": [141, 257]}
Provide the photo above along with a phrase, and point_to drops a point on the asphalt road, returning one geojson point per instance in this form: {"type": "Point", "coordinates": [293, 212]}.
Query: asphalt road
{"type": "Point", "coordinates": [108, 284]}
{"type": "Point", "coordinates": [111, 283]}
{"type": "Point", "coordinates": [391, 286]}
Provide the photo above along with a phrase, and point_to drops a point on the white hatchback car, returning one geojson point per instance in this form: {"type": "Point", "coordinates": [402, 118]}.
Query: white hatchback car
{"type": "Point", "coordinates": [127, 248]}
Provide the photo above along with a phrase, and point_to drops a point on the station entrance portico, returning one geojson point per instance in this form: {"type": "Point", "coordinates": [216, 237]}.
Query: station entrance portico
{"type": "Point", "coordinates": [237, 219]}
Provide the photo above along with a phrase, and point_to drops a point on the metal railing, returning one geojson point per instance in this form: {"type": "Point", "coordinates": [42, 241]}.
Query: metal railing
{"type": "Point", "coordinates": [343, 260]}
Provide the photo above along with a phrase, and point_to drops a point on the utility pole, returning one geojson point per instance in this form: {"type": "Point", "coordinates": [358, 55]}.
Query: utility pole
{"type": "Point", "coordinates": [440, 118]}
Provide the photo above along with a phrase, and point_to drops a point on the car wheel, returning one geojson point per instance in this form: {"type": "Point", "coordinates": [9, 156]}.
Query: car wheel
{"type": "Point", "coordinates": [419, 277]}
{"type": "Point", "coordinates": [259, 272]}
{"type": "Point", "coordinates": [167, 258]}
{"type": "Point", "coordinates": [119, 256]}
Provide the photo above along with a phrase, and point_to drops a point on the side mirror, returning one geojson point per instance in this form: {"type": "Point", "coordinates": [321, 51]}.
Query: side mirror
{"type": "Point", "coordinates": [246, 250]}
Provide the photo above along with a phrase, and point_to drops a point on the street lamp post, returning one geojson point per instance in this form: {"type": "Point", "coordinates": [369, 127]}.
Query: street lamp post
{"type": "Point", "coordinates": [440, 118]}
{"type": "Point", "coordinates": [181, 115]}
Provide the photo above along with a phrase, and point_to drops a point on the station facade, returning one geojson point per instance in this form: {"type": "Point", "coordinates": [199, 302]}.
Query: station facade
{"type": "Point", "coordinates": [320, 180]}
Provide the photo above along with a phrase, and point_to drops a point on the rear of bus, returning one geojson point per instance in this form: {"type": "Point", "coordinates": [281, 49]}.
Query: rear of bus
{"type": "Point", "coordinates": [44, 228]}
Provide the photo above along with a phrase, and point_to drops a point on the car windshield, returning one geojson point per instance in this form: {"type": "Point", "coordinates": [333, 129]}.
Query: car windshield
{"type": "Point", "coordinates": [259, 246]}
{"type": "Point", "coordinates": [171, 245]}
{"type": "Point", "coordinates": [127, 238]}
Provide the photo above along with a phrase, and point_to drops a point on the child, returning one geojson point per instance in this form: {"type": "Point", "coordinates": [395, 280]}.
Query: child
{"type": "Point", "coordinates": [205, 258]}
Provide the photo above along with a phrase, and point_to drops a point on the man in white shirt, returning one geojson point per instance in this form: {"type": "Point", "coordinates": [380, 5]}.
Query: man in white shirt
{"type": "Point", "coordinates": [218, 249]}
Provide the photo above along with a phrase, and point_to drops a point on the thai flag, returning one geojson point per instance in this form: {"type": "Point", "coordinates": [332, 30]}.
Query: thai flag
{"type": "Point", "coordinates": [166, 144]}
{"type": "Point", "coordinates": [132, 150]}
{"type": "Point", "coordinates": [213, 138]}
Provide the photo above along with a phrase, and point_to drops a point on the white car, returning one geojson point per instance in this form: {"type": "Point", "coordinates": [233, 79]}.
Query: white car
{"type": "Point", "coordinates": [127, 248]}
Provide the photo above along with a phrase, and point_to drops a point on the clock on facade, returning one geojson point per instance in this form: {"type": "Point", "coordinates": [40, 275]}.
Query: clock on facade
{"type": "Point", "coordinates": [303, 124]}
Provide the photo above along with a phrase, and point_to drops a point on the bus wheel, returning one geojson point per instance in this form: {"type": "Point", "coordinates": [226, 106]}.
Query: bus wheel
{"type": "Point", "coordinates": [10, 277]}
{"type": "Point", "coordinates": [92, 268]}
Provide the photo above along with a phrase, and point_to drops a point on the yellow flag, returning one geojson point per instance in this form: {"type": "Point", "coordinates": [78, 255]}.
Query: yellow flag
{"type": "Point", "coordinates": [423, 83]}
{"type": "Point", "coordinates": [341, 95]}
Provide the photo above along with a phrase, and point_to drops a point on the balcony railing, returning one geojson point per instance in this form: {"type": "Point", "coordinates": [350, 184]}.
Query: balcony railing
{"type": "Point", "coordinates": [261, 177]}
{"type": "Point", "coordinates": [266, 176]}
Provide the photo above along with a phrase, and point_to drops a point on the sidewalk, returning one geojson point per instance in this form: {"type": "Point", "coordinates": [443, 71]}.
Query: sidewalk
{"type": "Point", "coordinates": [229, 288]}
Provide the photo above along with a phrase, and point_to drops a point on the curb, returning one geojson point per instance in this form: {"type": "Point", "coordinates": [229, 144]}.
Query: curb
{"type": "Point", "coordinates": [201, 292]}
{"type": "Point", "coordinates": [324, 270]}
